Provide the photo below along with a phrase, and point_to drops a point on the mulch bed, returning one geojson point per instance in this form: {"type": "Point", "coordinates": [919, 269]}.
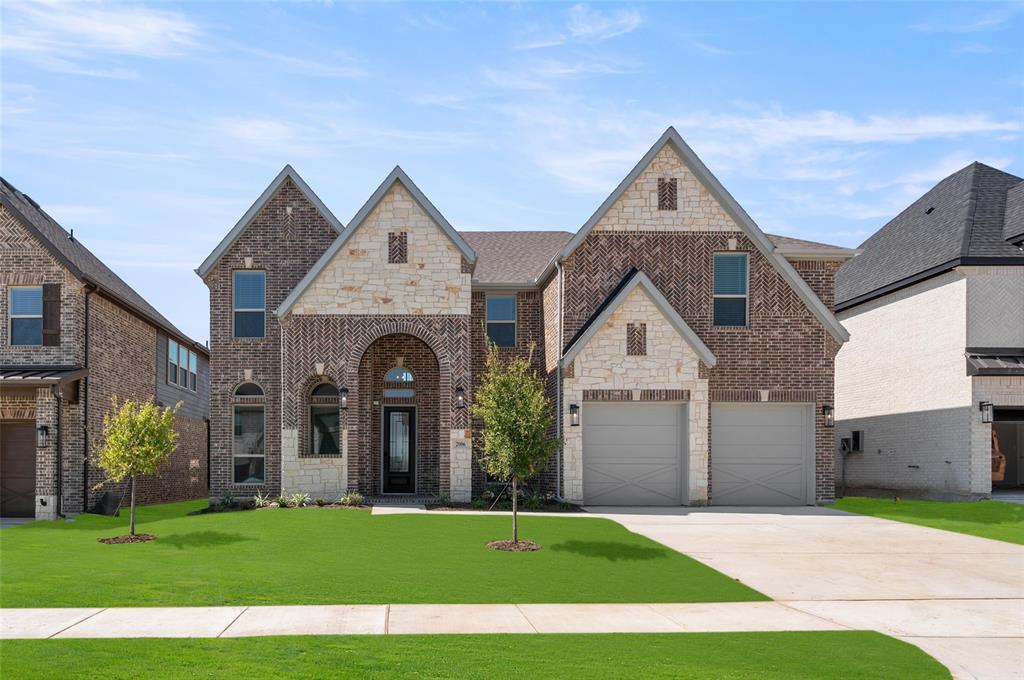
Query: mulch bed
{"type": "Point", "coordinates": [462, 507]}
{"type": "Point", "coordinates": [524, 545]}
{"type": "Point", "coordinates": [137, 538]}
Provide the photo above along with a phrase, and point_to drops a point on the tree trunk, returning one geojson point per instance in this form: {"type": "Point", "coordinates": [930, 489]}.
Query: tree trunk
{"type": "Point", "coordinates": [131, 531]}
{"type": "Point", "coordinates": [515, 512]}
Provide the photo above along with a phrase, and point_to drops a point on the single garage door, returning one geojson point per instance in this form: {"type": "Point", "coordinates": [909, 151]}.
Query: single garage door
{"type": "Point", "coordinates": [633, 453]}
{"type": "Point", "coordinates": [762, 454]}
{"type": "Point", "coordinates": [17, 469]}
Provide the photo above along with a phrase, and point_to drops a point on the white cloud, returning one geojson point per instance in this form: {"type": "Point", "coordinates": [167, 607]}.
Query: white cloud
{"type": "Point", "coordinates": [595, 25]}
{"type": "Point", "coordinates": [969, 20]}
{"type": "Point", "coordinates": [64, 37]}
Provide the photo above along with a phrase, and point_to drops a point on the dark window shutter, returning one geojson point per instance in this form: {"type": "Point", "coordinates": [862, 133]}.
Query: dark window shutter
{"type": "Point", "coordinates": [51, 314]}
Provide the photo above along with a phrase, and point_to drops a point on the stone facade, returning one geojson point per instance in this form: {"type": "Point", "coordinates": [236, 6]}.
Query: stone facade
{"type": "Point", "coordinates": [670, 364]}
{"type": "Point", "coordinates": [361, 279]}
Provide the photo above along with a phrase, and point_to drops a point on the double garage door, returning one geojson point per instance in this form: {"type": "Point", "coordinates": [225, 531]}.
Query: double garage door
{"type": "Point", "coordinates": [635, 453]}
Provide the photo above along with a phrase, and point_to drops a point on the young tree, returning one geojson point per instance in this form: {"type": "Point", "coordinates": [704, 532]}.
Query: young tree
{"type": "Point", "coordinates": [517, 417]}
{"type": "Point", "coordinates": [137, 438]}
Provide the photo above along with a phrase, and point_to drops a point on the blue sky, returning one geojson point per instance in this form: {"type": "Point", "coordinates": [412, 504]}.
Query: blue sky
{"type": "Point", "coordinates": [150, 129]}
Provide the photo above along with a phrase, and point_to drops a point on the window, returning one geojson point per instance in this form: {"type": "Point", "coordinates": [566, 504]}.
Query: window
{"type": "Point", "coordinates": [26, 313]}
{"type": "Point", "coordinates": [324, 423]}
{"type": "Point", "coordinates": [250, 304]}
{"type": "Point", "coordinates": [501, 320]}
{"type": "Point", "coordinates": [730, 305]}
{"type": "Point", "coordinates": [182, 364]}
{"type": "Point", "coordinates": [399, 374]}
{"type": "Point", "coordinates": [398, 247]}
{"type": "Point", "coordinates": [247, 444]}
{"type": "Point", "coordinates": [667, 193]}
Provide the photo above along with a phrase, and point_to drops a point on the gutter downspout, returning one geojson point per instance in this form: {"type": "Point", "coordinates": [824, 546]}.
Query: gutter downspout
{"type": "Point", "coordinates": [55, 393]}
{"type": "Point", "coordinates": [558, 386]}
{"type": "Point", "coordinates": [85, 409]}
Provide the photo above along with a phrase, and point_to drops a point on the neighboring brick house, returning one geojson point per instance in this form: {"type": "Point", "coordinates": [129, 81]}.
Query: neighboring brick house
{"type": "Point", "coordinates": [933, 377]}
{"type": "Point", "coordinates": [688, 355]}
{"type": "Point", "coordinates": [75, 335]}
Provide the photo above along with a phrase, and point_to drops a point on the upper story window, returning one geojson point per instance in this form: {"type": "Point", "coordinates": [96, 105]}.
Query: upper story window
{"type": "Point", "coordinates": [667, 193]}
{"type": "Point", "coordinates": [250, 304]}
{"type": "Point", "coordinates": [731, 289]}
{"type": "Point", "coordinates": [248, 389]}
{"type": "Point", "coordinates": [501, 320]}
{"type": "Point", "coordinates": [26, 313]}
{"type": "Point", "coordinates": [182, 366]}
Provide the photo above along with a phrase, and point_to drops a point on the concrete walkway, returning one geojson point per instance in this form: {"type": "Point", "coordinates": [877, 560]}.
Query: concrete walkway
{"type": "Point", "coordinates": [958, 597]}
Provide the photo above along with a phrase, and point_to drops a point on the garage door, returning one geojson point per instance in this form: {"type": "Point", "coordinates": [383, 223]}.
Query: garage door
{"type": "Point", "coordinates": [761, 454]}
{"type": "Point", "coordinates": [17, 470]}
{"type": "Point", "coordinates": [633, 453]}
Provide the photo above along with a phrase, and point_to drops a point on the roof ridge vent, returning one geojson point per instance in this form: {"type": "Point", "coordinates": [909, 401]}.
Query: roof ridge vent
{"type": "Point", "coordinates": [929, 210]}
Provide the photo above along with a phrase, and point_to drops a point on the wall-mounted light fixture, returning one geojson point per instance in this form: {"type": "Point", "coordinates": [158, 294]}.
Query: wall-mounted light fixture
{"type": "Point", "coordinates": [574, 415]}
{"type": "Point", "coordinates": [343, 394]}
{"type": "Point", "coordinates": [460, 398]}
{"type": "Point", "coordinates": [42, 437]}
{"type": "Point", "coordinates": [987, 411]}
{"type": "Point", "coordinates": [830, 415]}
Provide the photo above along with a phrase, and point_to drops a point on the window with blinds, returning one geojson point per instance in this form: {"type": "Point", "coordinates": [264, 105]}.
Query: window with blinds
{"type": "Point", "coordinates": [731, 289]}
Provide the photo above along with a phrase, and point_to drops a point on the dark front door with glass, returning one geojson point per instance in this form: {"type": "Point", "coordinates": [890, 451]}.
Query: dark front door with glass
{"type": "Point", "coordinates": [399, 449]}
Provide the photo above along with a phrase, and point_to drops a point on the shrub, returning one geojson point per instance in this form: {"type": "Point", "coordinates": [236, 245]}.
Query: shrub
{"type": "Point", "coordinates": [479, 503]}
{"type": "Point", "coordinates": [227, 501]}
{"type": "Point", "coordinates": [282, 501]}
{"type": "Point", "coordinates": [261, 501]}
{"type": "Point", "coordinates": [444, 499]}
{"type": "Point", "coordinates": [320, 502]}
{"type": "Point", "coordinates": [299, 500]}
{"type": "Point", "coordinates": [351, 499]}
{"type": "Point", "coordinates": [533, 500]}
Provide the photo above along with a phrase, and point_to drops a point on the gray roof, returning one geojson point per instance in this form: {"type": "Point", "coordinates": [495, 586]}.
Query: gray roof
{"type": "Point", "coordinates": [799, 248]}
{"type": "Point", "coordinates": [1013, 217]}
{"type": "Point", "coordinates": [995, 362]}
{"type": "Point", "coordinates": [38, 376]}
{"type": "Point", "coordinates": [512, 258]}
{"type": "Point", "coordinates": [961, 220]}
{"type": "Point", "coordinates": [80, 261]}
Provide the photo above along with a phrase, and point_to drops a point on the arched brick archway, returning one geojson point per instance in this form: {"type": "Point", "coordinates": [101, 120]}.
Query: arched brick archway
{"type": "Point", "coordinates": [430, 411]}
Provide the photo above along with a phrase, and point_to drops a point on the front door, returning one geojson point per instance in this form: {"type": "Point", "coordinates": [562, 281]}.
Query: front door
{"type": "Point", "coordinates": [399, 449]}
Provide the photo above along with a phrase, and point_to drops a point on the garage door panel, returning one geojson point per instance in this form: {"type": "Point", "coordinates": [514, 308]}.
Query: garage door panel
{"type": "Point", "coordinates": [632, 454]}
{"type": "Point", "coordinates": [761, 454]}
{"type": "Point", "coordinates": [17, 469]}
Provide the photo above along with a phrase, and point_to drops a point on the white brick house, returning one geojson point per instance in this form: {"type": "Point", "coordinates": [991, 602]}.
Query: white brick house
{"type": "Point", "coordinates": [935, 310]}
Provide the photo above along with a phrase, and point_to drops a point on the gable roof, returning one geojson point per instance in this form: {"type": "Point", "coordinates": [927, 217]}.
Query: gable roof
{"type": "Point", "coordinates": [634, 279]}
{"type": "Point", "coordinates": [80, 261]}
{"type": "Point", "coordinates": [961, 220]}
{"type": "Point", "coordinates": [1013, 217]}
{"type": "Point", "coordinates": [396, 175]}
{"type": "Point", "coordinates": [513, 258]}
{"type": "Point", "coordinates": [288, 172]}
{"type": "Point", "coordinates": [733, 209]}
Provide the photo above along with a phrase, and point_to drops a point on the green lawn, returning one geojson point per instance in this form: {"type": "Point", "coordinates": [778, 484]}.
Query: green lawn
{"type": "Point", "coordinates": [728, 656]}
{"type": "Point", "coordinates": [335, 556]}
{"type": "Point", "coordinates": [988, 519]}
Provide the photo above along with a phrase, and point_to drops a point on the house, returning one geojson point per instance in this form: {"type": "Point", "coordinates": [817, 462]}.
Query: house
{"type": "Point", "coordinates": [75, 335]}
{"type": "Point", "coordinates": [930, 388]}
{"type": "Point", "coordinates": [688, 355]}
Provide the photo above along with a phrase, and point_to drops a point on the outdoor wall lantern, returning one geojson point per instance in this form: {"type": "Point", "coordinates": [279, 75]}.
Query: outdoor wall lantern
{"type": "Point", "coordinates": [343, 394]}
{"type": "Point", "coordinates": [574, 415]}
{"type": "Point", "coordinates": [986, 411]}
{"type": "Point", "coordinates": [460, 398]}
{"type": "Point", "coordinates": [42, 436]}
{"type": "Point", "coordinates": [830, 415]}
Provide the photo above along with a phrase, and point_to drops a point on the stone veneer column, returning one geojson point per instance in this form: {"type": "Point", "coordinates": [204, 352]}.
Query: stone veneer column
{"type": "Point", "coordinates": [461, 460]}
{"type": "Point", "coordinates": [325, 477]}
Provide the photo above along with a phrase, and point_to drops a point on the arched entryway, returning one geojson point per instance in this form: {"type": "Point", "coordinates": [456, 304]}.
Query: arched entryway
{"type": "Point", "coordinates": [399, 411]}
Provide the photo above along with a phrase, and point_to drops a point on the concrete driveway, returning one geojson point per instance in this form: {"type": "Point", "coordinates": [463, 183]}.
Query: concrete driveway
{"type": "Point", "coordinates": [958, 597]}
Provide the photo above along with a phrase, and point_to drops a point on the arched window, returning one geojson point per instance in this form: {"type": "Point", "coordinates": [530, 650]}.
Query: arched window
{"type": "Point", "coordinates": [248, 390]}
{"type": "Point", "coordinates": [324, 421]}
{"type": "Point", "coordinates": [248, 455]}
{"type": "Point", "coordinates": [399, 374]}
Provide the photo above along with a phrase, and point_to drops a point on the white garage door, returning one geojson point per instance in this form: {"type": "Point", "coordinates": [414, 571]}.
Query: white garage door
{"type": "Point", "coordinates": [633, 453]}
{"type": "Point", "coordinates": [762, 454]}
